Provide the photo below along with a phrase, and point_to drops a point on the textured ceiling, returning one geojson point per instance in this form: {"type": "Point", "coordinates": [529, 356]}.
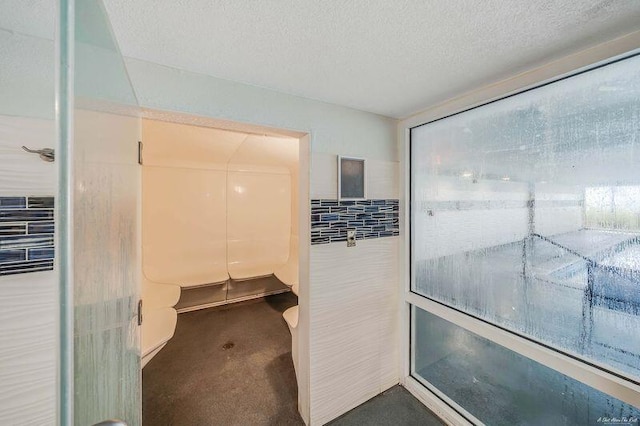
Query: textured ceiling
{"type": "Point", "coordinates": [389, 57]}
{"type": "Point", "coordinates": [28, 17]}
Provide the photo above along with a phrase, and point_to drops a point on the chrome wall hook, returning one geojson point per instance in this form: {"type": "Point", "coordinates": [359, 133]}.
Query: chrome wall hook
{"type": "Point", "coordinates": [47, 154]}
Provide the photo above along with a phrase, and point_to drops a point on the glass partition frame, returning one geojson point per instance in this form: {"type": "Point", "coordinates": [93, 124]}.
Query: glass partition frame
{"type": "Point", "coordinates": [597, 375]}
{"type": "Point", "coordinates": [64, 42]}
{"type": "Point", "coordinates": [98, 128]}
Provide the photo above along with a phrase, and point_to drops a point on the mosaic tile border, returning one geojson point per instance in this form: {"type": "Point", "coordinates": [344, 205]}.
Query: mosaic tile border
{"type": "Point", "coordinates": [331, 219]}
{"type": "Point", "coordinates": [26, 234]}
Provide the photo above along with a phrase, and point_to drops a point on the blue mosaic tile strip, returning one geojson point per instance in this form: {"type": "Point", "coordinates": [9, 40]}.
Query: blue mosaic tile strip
{"type": "Point", "coordinates": [13, 228]}
{"type": "Point", "coordinates": [40, 202]}
{"type": "Point", "coordinates": [40, 228]}
{"type": "Point", "coordinates": [25, 267]}
{"type": "Point", "coordinates": [12, 256]}
{"type": "Point", "coordinates": [25, 241]}
{"type": "Point", "coordinates": [331, 219]}
{"type": "Point", "coordinates": [25, 215]}
{"type": "Point", "coordinates": [26, 234]}
{"type": "Point", "coordinates": [41, 253]}
{"type": "Point", "coordinates": [13, 203]}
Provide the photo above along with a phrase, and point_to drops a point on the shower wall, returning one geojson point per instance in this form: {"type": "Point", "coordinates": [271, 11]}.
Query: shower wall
{"type": "Point", "coordinates": [27, 292]}
{"type": "Point", "coordinates": [348, 318]}
{"type": "Point", "coordinates": [216, 204]}
{"type": "Point", "coordinates": [28, 311]}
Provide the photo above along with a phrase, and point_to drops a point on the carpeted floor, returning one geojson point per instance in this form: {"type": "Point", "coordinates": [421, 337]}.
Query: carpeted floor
{"type": "Point", "coordinates": [198, 380]}
{"type": "Point", "coordinates": [395, 407]}
{"type": "Point", "coordinates": [231, 365]}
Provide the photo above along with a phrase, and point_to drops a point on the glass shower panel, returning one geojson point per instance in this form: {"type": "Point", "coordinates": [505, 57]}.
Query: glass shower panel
{"type": "Point", "coordinates": [525, 213]}
{"type": "Point", "coordinates": [500, 387]}
{"type": "Point", "coordinates": [106, 185]}
{"type": "Point", "coordinates": [101, 78]}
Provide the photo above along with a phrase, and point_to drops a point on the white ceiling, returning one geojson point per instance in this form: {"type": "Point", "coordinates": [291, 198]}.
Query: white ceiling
{"type": "Point", "coordinates": [390, 57]}
{"type": "Point", "coordinates": [28, 17]}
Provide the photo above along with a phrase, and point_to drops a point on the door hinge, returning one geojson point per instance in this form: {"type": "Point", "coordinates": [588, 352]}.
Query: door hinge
{"type": "Point", "coordinates": [140, 152]}
{"type": "Point", "coordinates": [140, 312]}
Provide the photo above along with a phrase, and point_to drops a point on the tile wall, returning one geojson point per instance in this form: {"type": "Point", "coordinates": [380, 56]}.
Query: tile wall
{"type": "Point", "coordinates": [26, 234]}
{"type": "Point", "coordinates": [330, 219]}
{"type": "Point", "coordinates": [353, 291]}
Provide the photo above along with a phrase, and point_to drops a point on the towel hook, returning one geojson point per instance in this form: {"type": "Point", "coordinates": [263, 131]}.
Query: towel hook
{"type": "Point", "coordinates": [47, 154]}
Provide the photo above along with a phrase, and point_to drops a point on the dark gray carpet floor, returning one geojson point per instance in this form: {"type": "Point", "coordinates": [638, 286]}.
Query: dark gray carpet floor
{"type": "Point", "coordinates": [198, 380]}
{"type": "Point", "coordinates": [195, 381]}
{"type": "Point", "coordinates": [395, 407]}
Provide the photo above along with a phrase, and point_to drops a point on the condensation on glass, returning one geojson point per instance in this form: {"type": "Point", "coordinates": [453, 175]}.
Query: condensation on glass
{"type": "Point", "coordinates": [500, 387]}
{"type": "Point", "coordinates": [106, 183]}
{"type": "Point", "coordinates": [526, 212]}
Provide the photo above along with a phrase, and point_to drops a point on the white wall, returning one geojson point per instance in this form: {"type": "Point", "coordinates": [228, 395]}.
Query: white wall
{"type": "Point", "coordinates": [28, 311]}
{"type": "Point", "coordinates": [559, 208]}
{"type": "Point", "coordinates": [226, 178]}
{"type": "Point", "coordinates": [28, 302]}
{"type": "Point", "coordinates": [334, 129]}
{"type": "Point", "coordinates": [353, 301]}
{"type": "Point", "coordinates": [353, 291]}
{"type": "Point", "coordinates": [454, 228]}
{"type": "Point", "coordinates": [26, 75]}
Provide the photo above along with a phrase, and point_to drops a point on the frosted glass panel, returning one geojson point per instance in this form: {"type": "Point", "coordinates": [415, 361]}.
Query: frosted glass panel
{"type": "Point", "coordinates": [501, 387]}
{"type": "Point", "coordinates": [106, 261]}
{"type": "Point", "coordinates": [106, 272]}
{"type": "Point", "coordinates": [525, 212]}
{"type": "Point", "coordinates": [100, 73]}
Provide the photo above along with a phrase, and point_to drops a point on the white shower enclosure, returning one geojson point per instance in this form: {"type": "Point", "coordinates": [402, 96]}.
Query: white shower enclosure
{"type": "Point", "coordinates": [98, 234]}
{"type": "Point", "coordinates": [219, 210]}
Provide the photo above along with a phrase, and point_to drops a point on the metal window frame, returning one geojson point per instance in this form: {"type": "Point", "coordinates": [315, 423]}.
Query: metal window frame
{"type": "Point", "coordinates": [603, 378]}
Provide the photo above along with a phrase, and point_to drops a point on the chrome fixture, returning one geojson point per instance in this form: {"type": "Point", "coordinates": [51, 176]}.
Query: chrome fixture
{"type": "Point", "coordinates": [47, 154]}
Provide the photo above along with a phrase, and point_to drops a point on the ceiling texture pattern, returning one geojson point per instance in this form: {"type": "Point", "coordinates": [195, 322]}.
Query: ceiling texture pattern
{"type": "Point", "coordinates": [389, 57]}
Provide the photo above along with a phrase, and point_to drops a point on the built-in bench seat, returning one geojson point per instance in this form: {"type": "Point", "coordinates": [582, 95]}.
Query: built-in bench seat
{"type": "Point", "coordinates": [217, 210]}
{"type": "Point", "coordinates": [158, 327]}
{"type": "Point", "coordinates": [159, 318]}
{"type": "Point", "coordinates": [288, 273]}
